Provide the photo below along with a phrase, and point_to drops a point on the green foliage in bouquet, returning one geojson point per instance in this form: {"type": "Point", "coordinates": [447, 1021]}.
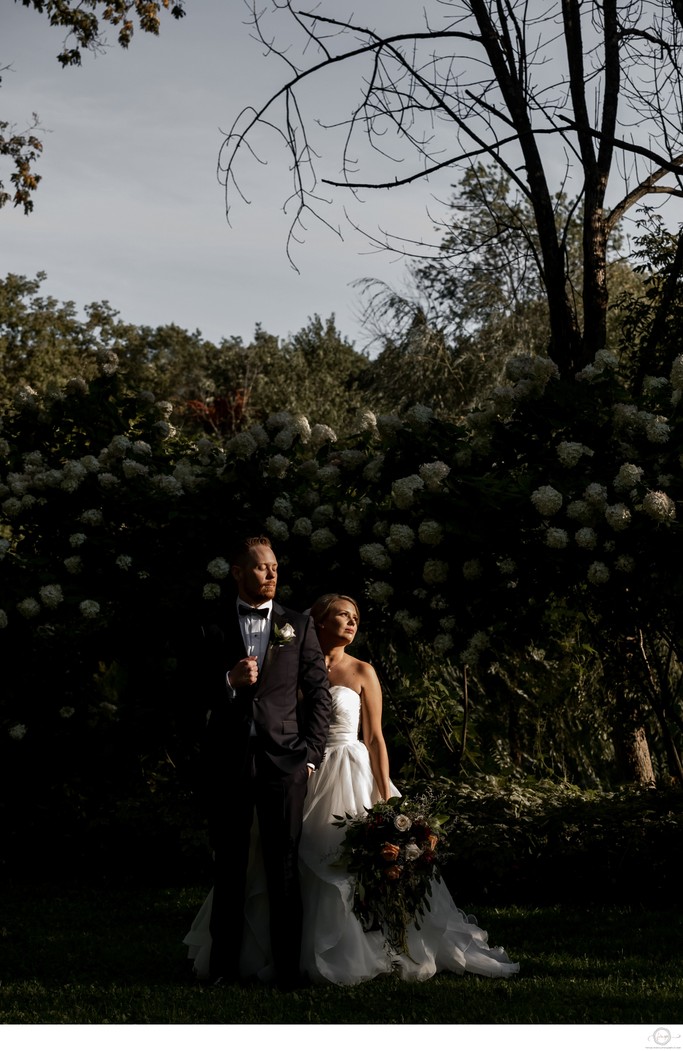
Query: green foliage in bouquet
{"type": "Point", "coordinates": [393, 851]}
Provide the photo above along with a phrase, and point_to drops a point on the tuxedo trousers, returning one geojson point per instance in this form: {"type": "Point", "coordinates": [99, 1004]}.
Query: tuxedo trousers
{"type": "Point", "coordinates": [278, 800]}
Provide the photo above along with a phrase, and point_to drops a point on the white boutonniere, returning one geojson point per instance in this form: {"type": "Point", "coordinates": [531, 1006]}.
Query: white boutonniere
{"type": "Point", "coordinates": [284, 635]}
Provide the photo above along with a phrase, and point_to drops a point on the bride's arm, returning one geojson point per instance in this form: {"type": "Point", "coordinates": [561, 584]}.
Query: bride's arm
{"type": "Point", "coordinates": [373, 738]}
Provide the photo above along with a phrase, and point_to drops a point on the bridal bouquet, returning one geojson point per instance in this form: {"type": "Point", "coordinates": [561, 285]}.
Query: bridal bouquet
{"type": "Point", "coordinates": [393, 851]}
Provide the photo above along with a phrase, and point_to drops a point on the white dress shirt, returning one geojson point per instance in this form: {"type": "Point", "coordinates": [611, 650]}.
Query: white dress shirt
{"type": "Point", "coordinates": [256, 631]}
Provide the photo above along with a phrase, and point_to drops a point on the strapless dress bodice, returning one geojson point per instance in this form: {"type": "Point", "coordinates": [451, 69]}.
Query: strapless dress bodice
{"type": "Point", "coordinates": [345, 716]}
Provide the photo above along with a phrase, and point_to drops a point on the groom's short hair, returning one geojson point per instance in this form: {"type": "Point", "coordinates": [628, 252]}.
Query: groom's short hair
{"type": "Point", "coordinates": [244, 546]}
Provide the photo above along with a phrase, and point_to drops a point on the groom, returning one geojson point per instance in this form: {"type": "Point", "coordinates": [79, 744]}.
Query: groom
{"type": "Point", "coordinates": [270, 711]}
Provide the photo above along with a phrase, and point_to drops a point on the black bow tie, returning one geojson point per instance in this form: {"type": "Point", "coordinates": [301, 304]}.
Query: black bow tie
{"type": "Point", "coordinates": [253, 611]}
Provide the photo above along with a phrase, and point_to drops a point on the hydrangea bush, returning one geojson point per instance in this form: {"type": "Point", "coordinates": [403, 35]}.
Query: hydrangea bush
{"type": "Point", "coordinates": [115, 535]}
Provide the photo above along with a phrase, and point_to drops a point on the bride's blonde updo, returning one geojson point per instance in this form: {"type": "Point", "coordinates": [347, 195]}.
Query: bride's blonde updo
{"type": "Point", "coordinates": [321, 607]}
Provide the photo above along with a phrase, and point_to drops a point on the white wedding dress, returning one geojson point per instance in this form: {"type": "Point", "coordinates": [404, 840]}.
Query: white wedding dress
{"type": "Point", "coordinates": [335, 947]}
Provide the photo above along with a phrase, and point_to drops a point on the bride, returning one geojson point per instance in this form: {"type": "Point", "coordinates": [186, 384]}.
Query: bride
{"type": "Point", "coordinates": [353, 776]}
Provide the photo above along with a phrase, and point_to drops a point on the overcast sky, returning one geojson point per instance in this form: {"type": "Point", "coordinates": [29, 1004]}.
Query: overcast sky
{"type": "Point", "coordinates": [130, 209]}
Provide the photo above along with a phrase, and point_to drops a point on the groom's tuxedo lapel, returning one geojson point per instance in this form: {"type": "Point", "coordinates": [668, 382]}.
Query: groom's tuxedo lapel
{"type": "Point", "coordinates": [278, 618]}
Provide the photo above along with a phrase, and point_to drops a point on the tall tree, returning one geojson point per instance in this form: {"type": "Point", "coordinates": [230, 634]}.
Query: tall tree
{"type": "Point", "coordinates": [582, 93]}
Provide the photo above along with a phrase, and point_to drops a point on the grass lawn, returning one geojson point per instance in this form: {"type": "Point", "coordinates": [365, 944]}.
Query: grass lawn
{"type": "Point", "coordinates": [88, 956]}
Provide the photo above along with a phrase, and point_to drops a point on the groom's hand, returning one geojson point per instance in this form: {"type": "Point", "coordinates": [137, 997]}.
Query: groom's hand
{"type": "Point", "coordinates": [245, 673]}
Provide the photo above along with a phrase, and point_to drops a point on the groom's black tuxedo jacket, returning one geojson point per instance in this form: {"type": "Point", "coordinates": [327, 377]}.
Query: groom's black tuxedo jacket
{"type": "Point", "coordinates": [289, 705]}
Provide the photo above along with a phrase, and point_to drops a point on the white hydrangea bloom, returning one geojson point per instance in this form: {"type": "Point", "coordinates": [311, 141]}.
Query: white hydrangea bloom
{"type": "Point", "coordinates": [25, 397]}
{"type": "Point", "coordinates": [380, 592]}
{"type": "Point", "coordinates": [303, 428]}
{"type": "Point", "coordinates": [366, 421]}
{"type": "Point", "coordinates": [168, 485]}
{"type": "Point", "coordinates": [18, 483]}
{"type": "Point", "coordinates": [164, 408]}
{"type": "Point", "coordinates": [381, 528]}
{"type": "Point", "coordinates": [282, 506]}
{"type": "Point", "coordinates": [11, 507]}
{"type": "Point", "coordinates": [164, 430]}
{"type": "Point", "coordinates": [351, 458]}
{"type": "Point", "coordinates": [73, 474]}
{"type": "Point", "coordinates": [569, 453]}
{"type": "Point", "coordinates": [259, 435]}
{"type": "Point", "coordinates": [430, 532]}
{"type": "Point", "coordinates": [28, 607]}
{"type": "Point", "coordinates": [475, 647]}
{"type": "Point", "coordinates": [321, 434]}
{"type": "Point", "coordinates": [74, 564]}
{"type": "Point", "coordinates": [657, 430]}
{"type": "Point", "coordinates": [302, 527]}
{"type": "Point", "coordinates": [277, 466]}
{"type": "Point", "coordinates": [4, 448]}
{"type": "Point", "coordinates": [442, 644]}
{"type": "Point", "coordinates": [51, 595]}
{"type": "Point", "coordinates": [322, 539]}
{"type": "Point", "coordinates": [434, 571]}
{"type": "Point", "coordinates": [655, 384]}
{"type": "Point", "coordinates": [77, 539]}
{"type": "Point", "coordinates": [242, 446]}
{"type": "Point", "coordinates": [67, 711]}
{"type": "Point", "coordinates": [419, 415]}
{"type": "Point", "coordinates": [556, 538]}
{"type": "Point", "coordinates": [108, 480]}
{"type": "Point", "coordinates": [659, 506]}
{"type": "Point", "coordinates": [546, 500]}
{"type": "Point", "coordinates": [76, 386]}
{"type": "Point", "coordinates": [596, 495]}
{"type": "Point", "coordinates": [89, 608]}
{"type": "Point", "coordinates": [598, 573]}
{"type": "Point", "coordinates": [586, 538]}
{"type": "Point", "coordinates": [277, 529]}
{"type": "Point", "coordinates": [472, 569]}
{"type": "Point", "coordinates": [627, 476]}
{"type": "Point", "coordinates": [403, 490]}
{"type": "Point", "coordinates": [91, 464]}
{"type": "Point", "coordinates": [401, 538]}
{"type": "Point", "coordinates": [218, 568]}
{"type": "Point", "coordinates": [124, 561]}
{"type": "Point", "coordinates": [411, 625]}
{"type": "Point", "coordinates": [579, 511]}
{"type": "Point", "coordinates": [352, 525]}
{"type": "Point", "coordinates": [507, 567]}
{"type": "Point", "coordinates": [118, 446]}
{"type": "Point", "coordinates": [329, 474]}
{"type": "Point", "coordinates": [211, 592]}
{"type": "Point", "coordinates": [372, 471]}
{"type": "Point", "coordinates": [92, 516]}
{"type": "Point", "coordinates": [51, 479]}
{"type": "Point", "coordinates": [277, 420]}
{"type": "Point", "coordinates": [322, 514]}
{"type": "Point", "coordinates": [618, 516]}
{"type": "Point", "coordinates": [375, 555]}
{"type": "Point", "coordinates": [504, 400]}
{"type": "Point", "coordinates": [447, 623]}
{"type": "Point", "coordinates": [625, 563]}
{"type": "Point", "coordinates": [134, 469]}
{"type": "Point", "coordinates": [18, 731]}
{"type": "Point", "coordinates": [284, 439]}
{"type": "Point", "coordinates": [388, 425]}
{"type": "Point", "coordinates": [604, 359]}
{"type": "Point", "coordinates": [4, 620]}
{"type": "Point", "coordinates": [434, 473]}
